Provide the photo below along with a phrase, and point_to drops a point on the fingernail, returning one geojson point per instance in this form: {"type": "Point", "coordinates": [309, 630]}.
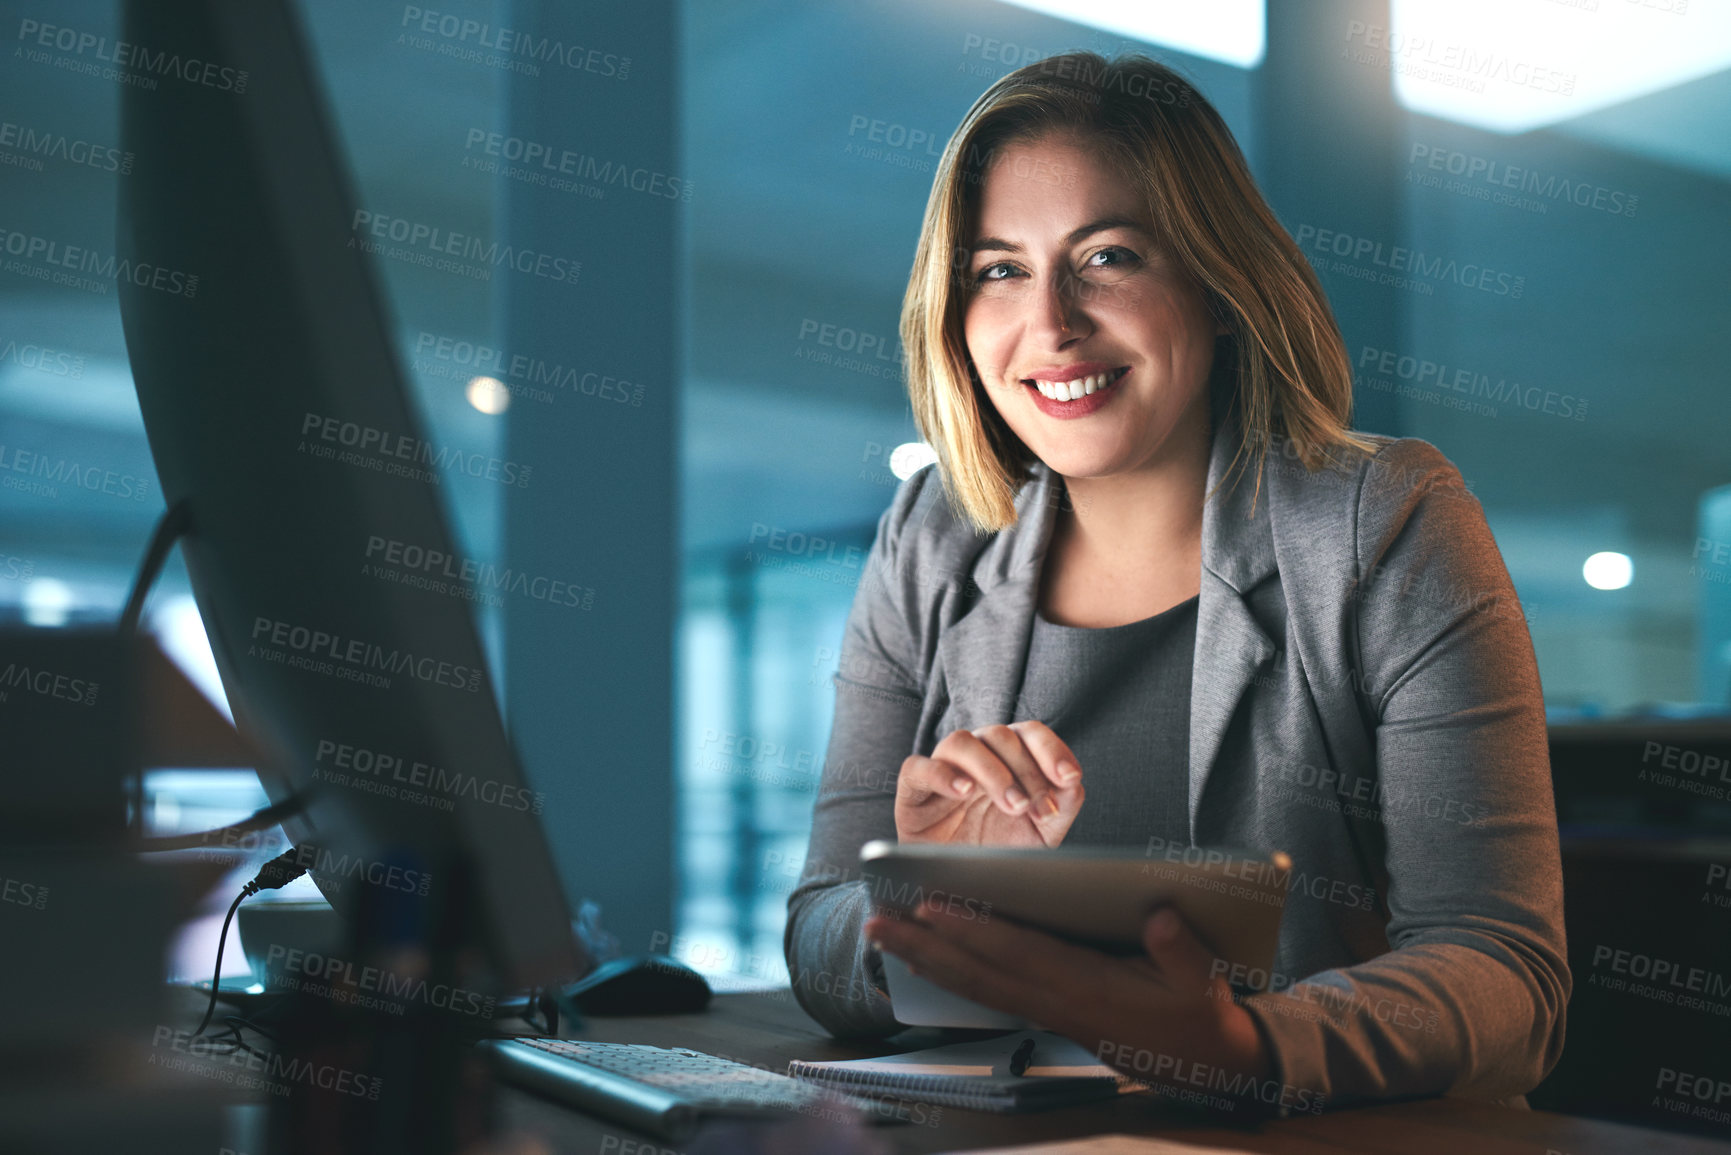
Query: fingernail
{"type": "Point", "coordinates": [876, 944]}
{"type": "Point", "coordinates": [1016, 799]}
{"type": "Point", "coordinates": [1068, 773]}
{"type": "Point", "coordinates": [1050, 804]}
{"type": "Point", "coordinates": [963, 785]}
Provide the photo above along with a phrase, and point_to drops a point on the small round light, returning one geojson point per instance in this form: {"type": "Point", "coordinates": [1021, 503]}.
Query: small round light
{"type": "Point", "coordinates": [1608, 571]}
{"type": "Point", "coordinates": [488, 394]}
{"type": "Point", "coordinates": [48, 602]}
{"type": "Point", "coordinates": [910, 457]}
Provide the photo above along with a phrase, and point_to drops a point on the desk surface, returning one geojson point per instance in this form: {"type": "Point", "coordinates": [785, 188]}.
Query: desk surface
{"type": "Point", "coordinates": [770, 1029]}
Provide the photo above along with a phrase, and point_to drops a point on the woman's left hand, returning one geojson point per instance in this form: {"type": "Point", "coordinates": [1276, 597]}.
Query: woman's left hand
{"type": "Point", "coordinates": [1156, 1018]}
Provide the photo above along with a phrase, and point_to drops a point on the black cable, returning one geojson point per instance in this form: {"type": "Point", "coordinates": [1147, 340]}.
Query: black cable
{"type": "Point", "coordinates": [277, 873]}
{"type": "Point", "coordinates": [176, 520]}
{"type": "Point", "coordinates": [237, 1042]}
{"type": "Point", "coordinates": [540, 1012]}
{"type": "Point", "coordinates": [216, 979]}
{"type": "Point", "coordinates": [240, 1023]}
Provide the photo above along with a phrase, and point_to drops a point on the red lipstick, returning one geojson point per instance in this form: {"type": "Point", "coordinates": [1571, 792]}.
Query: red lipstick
{"type": "Point", "coordinates": [1081, 406]}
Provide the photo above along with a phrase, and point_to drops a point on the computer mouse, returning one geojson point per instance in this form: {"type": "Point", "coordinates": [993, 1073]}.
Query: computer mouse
{"type": "Point", "coordinates": [640, 984]}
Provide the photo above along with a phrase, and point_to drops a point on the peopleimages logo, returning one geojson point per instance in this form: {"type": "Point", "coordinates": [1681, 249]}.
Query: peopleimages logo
{"type": "Point", "coordinates": [1423, 374]}
{"type": "Point", "coordinates": [36, 145]}
{"type": "Point", "coordinates": [485, 43]}
{"type": "Point", "coordinates": [330, 866]}
{"type": "Point", "coordinates": [137, 58]}
{"type": "Point", "coordinates": [41, 475]}
{"type": "Point", "coordinates": [1176, 1069]}
{"type": "Point", "coordinates": [433, 243]}
{"type": "Point", "coordinates": [352, 658]}
{"type": "Point", "coordinates": [274, 1073]}
{"type": "Point", "coordinates": [1449, 63]}
{"type": "Point", "coordinates": [1262, 874]}
{"type": "Point", "coordinates": [50, 260]}
{"type": "Point", "coordinates": [395, 775]}
{"type": "Point", "coordinates": [1500, 176]}
{"type": "Point", "coordinates": [42, 359]}
{"type": "Point", "coordinates": [481, 575]}
{"type": "Point", "coordinates": [373, 987]}
{"type": "Point", "coordinates": [364, 440]}
{"type": "Point", "coordinates": [523, 375]}
{"type": "Point", "coordinates": [545, 160]}
{"type": "Point", "coordinates": [48, 684]}
{"type": "Point", "coordinates": [1404, 262]}
{"type": "Point", "coordinates": [21, 893]}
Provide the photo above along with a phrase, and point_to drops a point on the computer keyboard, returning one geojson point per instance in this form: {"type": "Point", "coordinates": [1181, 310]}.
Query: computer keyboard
{"type": "Point", "coordinates": [664, 1091]}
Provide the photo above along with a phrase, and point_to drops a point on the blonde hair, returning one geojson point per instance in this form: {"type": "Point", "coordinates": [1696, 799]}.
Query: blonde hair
{"type": "Point", "coordinates": [1289, 374]}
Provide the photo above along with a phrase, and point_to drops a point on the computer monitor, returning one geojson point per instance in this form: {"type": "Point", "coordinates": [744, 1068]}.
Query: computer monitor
{"type": "Point", "coordinates": [335, 600]}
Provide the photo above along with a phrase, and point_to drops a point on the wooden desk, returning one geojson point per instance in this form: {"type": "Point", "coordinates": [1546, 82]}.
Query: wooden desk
{"type": "Point", "coordinates": [770, 1029]}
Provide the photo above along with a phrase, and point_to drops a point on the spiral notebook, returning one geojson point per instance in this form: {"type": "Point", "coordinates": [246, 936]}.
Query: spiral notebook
{"type": "Point", "coordinates": [975, 1075]}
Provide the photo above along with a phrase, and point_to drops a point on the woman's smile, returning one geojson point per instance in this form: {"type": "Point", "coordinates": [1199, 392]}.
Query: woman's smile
{"type": "Point", "coordinates": [1062, 396]}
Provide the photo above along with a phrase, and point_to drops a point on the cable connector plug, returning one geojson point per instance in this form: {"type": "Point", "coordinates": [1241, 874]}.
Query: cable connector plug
{"type": "Point", "coordinates": [277, 873]}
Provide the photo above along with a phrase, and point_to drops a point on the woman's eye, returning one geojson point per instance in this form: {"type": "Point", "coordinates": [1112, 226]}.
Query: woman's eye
{"type": "Point", "coordinates": [996, 272]}
{"type": "Point", "coordinates": [1112, 258]}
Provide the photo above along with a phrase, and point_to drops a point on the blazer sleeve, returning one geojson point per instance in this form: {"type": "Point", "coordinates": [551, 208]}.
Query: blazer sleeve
{"type": "Point", "coordinates": [879, 688]}
{"type": "Point", "coordinates": [1475, 898]}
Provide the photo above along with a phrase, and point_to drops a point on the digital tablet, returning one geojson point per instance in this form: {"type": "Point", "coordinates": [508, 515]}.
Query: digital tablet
{"type": "Point", "coordinates": [1099, 898]}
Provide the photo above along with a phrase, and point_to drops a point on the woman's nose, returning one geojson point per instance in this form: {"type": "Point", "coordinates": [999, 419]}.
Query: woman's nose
{"type": "Point", "coordinates": [1061, 310]}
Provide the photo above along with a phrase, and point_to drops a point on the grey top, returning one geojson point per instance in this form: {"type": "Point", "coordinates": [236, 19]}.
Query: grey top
{"type": "Point", "coordinates": [1120, 697]}
{"type": "Point", "coordinates": [1364, 697]}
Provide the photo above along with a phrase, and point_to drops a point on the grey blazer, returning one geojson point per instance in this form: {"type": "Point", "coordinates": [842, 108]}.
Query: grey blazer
{"type": "Point", "coordinates": [1365, 697]}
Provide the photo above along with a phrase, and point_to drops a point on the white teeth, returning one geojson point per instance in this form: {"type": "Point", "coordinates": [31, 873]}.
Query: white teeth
{"type": "Point", "coordinates": [1074, 390]}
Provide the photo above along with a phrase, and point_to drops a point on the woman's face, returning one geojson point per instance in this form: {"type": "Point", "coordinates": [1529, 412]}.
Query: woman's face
{"type": "Point", "coordinates": [1067, 291]}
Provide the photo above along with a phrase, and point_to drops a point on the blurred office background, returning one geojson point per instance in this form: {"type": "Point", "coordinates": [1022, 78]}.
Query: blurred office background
{"type": "Point", "coordinates": [1571, 156]}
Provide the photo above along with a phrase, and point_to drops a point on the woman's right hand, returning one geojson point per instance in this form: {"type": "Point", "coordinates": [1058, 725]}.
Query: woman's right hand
{"type": "Point", "coordinates": [1014, 785]}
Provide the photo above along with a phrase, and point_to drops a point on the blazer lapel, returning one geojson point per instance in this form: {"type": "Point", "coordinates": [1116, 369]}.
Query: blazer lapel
{"type": "Point", "coordinates": [983, 655]}
{"type": "Point", "coordinates": [1237, 555]}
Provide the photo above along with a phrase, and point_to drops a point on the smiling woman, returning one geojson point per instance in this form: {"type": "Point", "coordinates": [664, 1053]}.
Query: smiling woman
{"type": "Point", "coordinates": [1074, 630]}
{"type": "Point", "coordinates": [1137, 145]}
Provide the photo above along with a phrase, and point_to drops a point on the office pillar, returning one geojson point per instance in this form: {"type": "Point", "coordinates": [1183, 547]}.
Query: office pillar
{"type": "Point", "coordinates": [742, 621]}
{"type": "Point", "coordinates": [589, 172]}
{"type": "Point", "coordinates": [1327, 139]}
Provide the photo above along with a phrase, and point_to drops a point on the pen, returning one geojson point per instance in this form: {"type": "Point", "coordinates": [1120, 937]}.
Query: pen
{"type": "Point", "coordinates": [1024, 1054]}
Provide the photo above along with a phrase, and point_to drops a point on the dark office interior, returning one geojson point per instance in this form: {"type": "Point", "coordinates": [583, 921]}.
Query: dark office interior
{"type": "Point", "coordinates": [690, 441]}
